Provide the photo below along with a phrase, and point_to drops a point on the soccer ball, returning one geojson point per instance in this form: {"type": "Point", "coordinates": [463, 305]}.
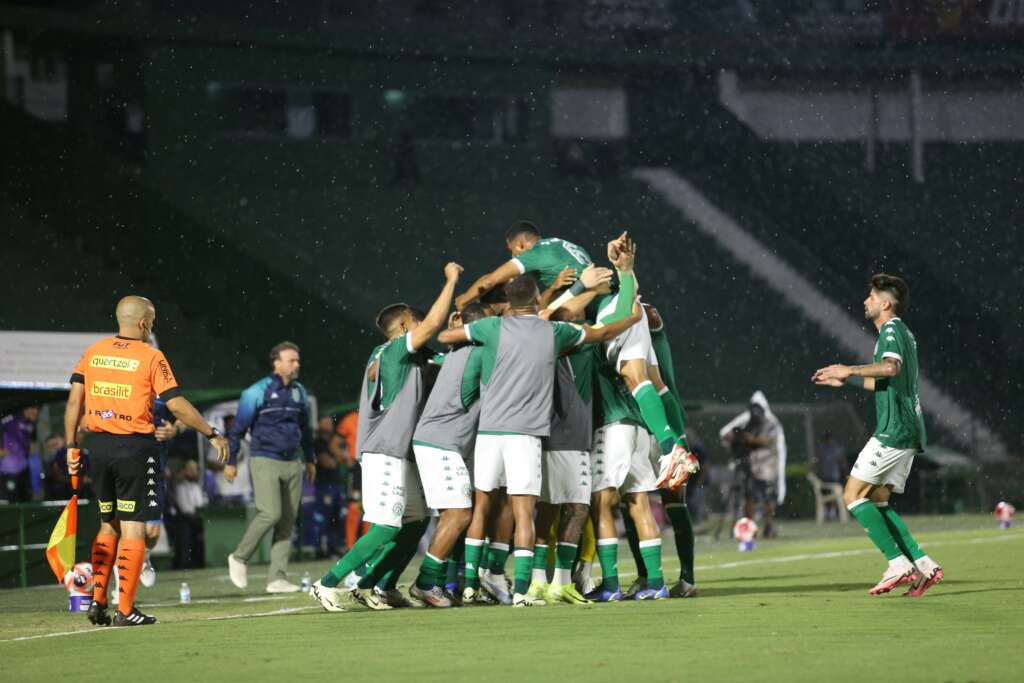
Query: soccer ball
{"type": "Point", "coordinates": [1004, 513]}
{"type": "Point", "coordinates": [745, 531]}
{"type": "Point", "coordinates": [79, 579]}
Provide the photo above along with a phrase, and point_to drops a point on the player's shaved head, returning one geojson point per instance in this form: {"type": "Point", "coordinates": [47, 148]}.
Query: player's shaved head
{"type": "Point", "coordinates": [131, 309]}
{"type": "Point", "coordinates": [522, 229]}
{"type": "Point", "coordinates": [522, 292]}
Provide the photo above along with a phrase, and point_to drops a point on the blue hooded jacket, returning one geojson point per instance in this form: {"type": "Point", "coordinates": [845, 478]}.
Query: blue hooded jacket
{"type": "Point", "coordinates": [278, 417]}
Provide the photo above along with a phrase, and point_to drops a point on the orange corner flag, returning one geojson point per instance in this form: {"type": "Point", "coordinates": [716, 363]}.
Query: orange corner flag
{"type": "Point", "coordinates": [60, 551]}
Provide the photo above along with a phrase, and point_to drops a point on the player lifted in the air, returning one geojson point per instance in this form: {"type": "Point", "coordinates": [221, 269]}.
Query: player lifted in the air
{"type": "Point", "coordinates": [883, 465]}
{"type": "Point", "coordinates": [517, 384]}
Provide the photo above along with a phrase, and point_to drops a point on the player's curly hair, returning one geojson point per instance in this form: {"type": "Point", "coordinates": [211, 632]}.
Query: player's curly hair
{"type": "Point", "coordinates": [894, 286]}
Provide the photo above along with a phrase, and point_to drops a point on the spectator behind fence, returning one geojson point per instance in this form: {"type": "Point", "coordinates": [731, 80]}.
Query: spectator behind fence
{"type": "Point", "coordinates": [18, 432]}
{"type": "Point", "coordinates": [189, 500]}
{"type": "Point", "coordinates": [331, 468]}
{"type": "Point", "coordinates": [275, 410]}
{"type": "Point", "coordinates": [354, 526]}
{"type": "Point", "coordinates": [830, 460]}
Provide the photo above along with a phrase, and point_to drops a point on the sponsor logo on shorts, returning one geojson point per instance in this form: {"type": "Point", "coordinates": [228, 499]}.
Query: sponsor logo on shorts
{"type": "Point", "coordinates": [125, 505]}
{"type": "Point", "coordinates": [467, 490]}
{"type": "Point", "coordinates": [106, 506]}
{"type": "Point", "coordinates": [114, 363]}
{"type": "Point", "coordinates": [111, 390]}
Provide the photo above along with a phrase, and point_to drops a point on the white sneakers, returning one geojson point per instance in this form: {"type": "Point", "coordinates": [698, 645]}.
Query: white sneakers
{"type": "Point", "coordinates": [238, 572]}
{"type": "Point", "coordinates": [525, 600]}
{"type": "Point", "coordinates": [330, 599]}
{"type": "Point", "coordinates": [282, 586]}
{"type": "Point", "coordinates": [496, 585]}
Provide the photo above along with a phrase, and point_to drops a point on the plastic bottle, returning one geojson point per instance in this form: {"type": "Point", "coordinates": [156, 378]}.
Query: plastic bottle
{"type": "Point", "coordinates": [184, 594]}
{"type": "Point", "coordinates": [307, 582]}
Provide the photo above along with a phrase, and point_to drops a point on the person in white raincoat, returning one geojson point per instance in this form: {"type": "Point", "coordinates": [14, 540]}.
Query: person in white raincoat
{"type": "Point", "coordinates": [762, 432]}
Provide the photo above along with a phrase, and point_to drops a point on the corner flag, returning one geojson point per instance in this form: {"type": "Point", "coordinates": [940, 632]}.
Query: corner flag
{"type": "Point", "coordinates": [60, 551]}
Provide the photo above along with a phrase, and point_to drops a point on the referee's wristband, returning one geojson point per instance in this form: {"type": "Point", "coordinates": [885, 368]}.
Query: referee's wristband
{"type": "Point", "coordinates": [855, 380]}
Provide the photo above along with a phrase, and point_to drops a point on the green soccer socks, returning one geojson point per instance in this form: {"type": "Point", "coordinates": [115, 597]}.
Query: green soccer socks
{"type": "Point", "coordinates": [682, 530]}
{"type": "Point", "coordinates": [608, 556]}
{"type": "Point", "coordinates": [899, 531]}
{"type": "Point", "coordinates": [363, 550]}
{"type": "Point", "coordinates": [874, 523]}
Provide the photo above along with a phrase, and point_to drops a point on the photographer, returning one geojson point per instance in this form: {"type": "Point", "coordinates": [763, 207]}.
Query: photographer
{"type": "Point", "coordinates": [758, 445]}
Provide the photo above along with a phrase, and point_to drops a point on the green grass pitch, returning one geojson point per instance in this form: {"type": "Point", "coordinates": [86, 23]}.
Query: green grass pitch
{"type": "Point", "coordinates": [796, 609]}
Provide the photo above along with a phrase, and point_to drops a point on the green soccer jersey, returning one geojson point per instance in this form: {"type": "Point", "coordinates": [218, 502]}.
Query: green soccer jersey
{"type": "Point", "coordinates": [614, 402]}
{"type": "Point", "coordinates": [897, 405]}
{"type": "Point", "coordinates": [549, 257]}
{"type": "Point", "coordinates": [582, 363]}
{"type": "Point", "coordinates": [663, 352]}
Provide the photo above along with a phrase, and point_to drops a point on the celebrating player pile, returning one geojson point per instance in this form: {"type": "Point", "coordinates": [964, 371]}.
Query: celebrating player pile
{"type": "Point", "coordinates": [513, 405]}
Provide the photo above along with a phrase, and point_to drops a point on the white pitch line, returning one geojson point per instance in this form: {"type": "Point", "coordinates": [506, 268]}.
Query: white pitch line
{"type": "Point", "coordinates": [283, 610]}
{"type": "Point", "coordinates": [724, 565]}
{"type": "Point", "coordinates": [837, 553]}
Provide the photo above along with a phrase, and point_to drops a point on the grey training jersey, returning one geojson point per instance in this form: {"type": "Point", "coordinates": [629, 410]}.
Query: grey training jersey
{"type": "Point", "coordinates": [519, 371]}
{"type": "Point", "coordinates": [390, 406]}
{"type": "Point", "coordinates": [572, 425]}
{"type": "Point", "coordinates": [445, 422]}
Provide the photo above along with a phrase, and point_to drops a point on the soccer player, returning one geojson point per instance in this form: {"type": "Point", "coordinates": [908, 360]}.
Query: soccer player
{"type": "Point", "coordinates": [546, 258]}
{"type": "Point", "coordinates": [883, 465]}
{"type": "Point", "coordinates": [673, 502]}
{"type": "Point", "coordinates": [634, 360]}
{"type": "Point", "coordinates": [443, 442]}
{"type": "Point", "coordinates": [390, 402]}
{"type": "Point", "coordinates": [517, 384]}
{"type": "Point", "coordinates": [116, 381]}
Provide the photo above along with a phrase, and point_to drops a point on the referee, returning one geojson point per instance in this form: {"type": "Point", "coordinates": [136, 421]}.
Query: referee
{"type": "Point", "coordinates": [116, 382]}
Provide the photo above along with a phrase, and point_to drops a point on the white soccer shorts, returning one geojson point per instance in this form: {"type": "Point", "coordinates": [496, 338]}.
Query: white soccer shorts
{"type": "Point", "coordinates": [621, 459]}
{"type": "Point", "coordinates": [884, 466]}
{"type": "Point", "coordinates": [445, 478]}
{"type": "Point", "coordinates": [511, 460]}
{"type": "Point", "coordinates": [566, 477]}
{"type": "Point", "coordinates": [391, 490]}
{"type": "Point", "coordinates": [633, 344]}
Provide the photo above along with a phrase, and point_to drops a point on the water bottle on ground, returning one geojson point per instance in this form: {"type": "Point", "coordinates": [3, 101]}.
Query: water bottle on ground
{"type": "Point", "coordinates": [307, 582]}
{"type": "Point", "coordinates": [184, 594]}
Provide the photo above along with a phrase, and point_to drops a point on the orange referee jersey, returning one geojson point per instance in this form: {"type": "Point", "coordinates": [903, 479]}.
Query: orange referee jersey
{"type": "Point", "coordinates": [121, 378]}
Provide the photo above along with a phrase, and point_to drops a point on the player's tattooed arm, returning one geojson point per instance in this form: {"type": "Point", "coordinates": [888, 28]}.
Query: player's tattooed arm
{"type": "Point", "coordinates": [864, 376]}
{"type": "Point", "coordinates": [502, 274]}
{"type": "Point", "coordinates": [437, 316]}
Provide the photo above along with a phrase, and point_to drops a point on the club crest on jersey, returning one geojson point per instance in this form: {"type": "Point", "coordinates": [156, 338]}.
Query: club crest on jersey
{"type": "Point", "coordinates": [296, 395]}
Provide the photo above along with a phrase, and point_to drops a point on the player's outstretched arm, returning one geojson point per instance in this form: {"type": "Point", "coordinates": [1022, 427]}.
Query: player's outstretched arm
{"type": "Point", "coordinates": [187, 413]}
{"type": "Point", "coordinates": [592, 279]}
{"type": "Point", "coordinates": [602, 333]}
{"type": "Point", "coordinates": [565, 278]}
{"type": "Point", "coordinates": [502, 274]}
{"type": "Point", "coordinates": [437, 316]}
{"type": "Point", "coordinates": [863, 376]}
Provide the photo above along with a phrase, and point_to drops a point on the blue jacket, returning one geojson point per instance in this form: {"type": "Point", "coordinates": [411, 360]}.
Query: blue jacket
{"type": "Point", "coordinates": [278, 417]}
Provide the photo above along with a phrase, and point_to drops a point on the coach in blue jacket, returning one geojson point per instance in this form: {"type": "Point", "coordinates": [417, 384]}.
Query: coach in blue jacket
{"type": "Point", "coordinates": [275, 411]}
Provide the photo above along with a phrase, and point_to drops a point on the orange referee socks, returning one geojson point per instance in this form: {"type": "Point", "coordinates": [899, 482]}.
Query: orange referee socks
{"type": "Point", "coordinates": [103, 548]}
{"type": "Point", "coordinates": [131, 553]}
